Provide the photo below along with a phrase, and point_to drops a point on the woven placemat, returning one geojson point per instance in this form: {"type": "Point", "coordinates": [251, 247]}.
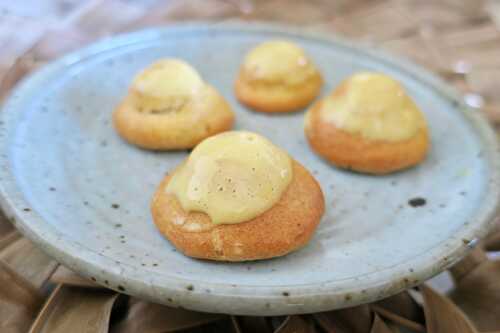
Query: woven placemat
{"type": "Point", "coordinates": [457, 39]}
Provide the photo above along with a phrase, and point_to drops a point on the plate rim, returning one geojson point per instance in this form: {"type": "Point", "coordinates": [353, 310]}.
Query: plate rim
{"type": "Point", "coordinates": [271, 300]}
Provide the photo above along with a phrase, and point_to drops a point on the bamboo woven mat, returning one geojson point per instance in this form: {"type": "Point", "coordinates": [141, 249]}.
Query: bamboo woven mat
{"type": "Point", "coordinates": [457, 39]}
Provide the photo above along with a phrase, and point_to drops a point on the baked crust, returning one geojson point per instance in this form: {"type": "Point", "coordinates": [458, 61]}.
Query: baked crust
{"type": "Point", "coordinates": [158, 131]}
{"type": "Point", "coordinates": [285, 227]}
{"type": "Point", "coordinates": [274, 98]}
{"type": "Point", "coordinates": [352, 151]}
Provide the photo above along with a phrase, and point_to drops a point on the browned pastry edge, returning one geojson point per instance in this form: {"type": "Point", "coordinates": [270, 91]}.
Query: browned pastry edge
{"type": "Point", "coordinates": [352, 151]}
{"type": "Point", "coordinates": [285, 227]}
{"type": "Point", "coordinates": [266, 98]}
{"type": "Point", "coordinates": [162, 132]}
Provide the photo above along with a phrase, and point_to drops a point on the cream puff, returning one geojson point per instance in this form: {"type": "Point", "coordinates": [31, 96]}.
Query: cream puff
{"type": "Point", "coordinates": [169, 106]}
{"type": "Point", "coordinates": [277, 76]}
{"type": "Point", "coordinates": [368, 124]}
{"type": "Point", "coordinates": [238, 197]}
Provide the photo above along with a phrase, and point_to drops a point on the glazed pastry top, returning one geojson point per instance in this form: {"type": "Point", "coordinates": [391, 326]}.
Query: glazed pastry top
{"type": "Point", "coordinates": [278, 62]}
{"type": "Point", "coordinates": [233, 177]}
{"type": "Point", "coordinates": [166, 85]}
{"type": "Point", "coordinates": [374, 106]}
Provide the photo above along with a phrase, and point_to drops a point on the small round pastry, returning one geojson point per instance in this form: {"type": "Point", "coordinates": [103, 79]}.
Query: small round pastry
{"type": "Point", "coordinates": [277, 76]}
{"type": "Point", "coordinates": [168, 107]}
{"type": "Point", "coordinates": [368, 124]}
{"type": "Point", "coordinates": [238, 197]}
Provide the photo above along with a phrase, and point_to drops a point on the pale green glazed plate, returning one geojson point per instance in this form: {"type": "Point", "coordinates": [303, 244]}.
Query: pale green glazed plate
{"type": "Point", "coordinates": [74, 187]}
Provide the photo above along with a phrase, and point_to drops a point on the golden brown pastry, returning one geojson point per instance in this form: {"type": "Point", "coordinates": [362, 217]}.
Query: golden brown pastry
{"type": "Point", "coordinates": [368, 124]}
{"type": "Point", "coordinates": [238, 197]}
{"type": "Point", "coordinates": [277, 76]}
{"type": "Point", "coordinates": [170, 107]}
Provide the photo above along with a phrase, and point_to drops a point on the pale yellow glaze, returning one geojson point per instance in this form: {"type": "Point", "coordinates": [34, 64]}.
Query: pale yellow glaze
{"type": "Point", "coordinates": [166, 84]}
{"type": "Point", "coordinates": [374, 106]}
{"type": "Point", "coordinates": [233, 177]}
{"type": "Point", "coordinates": [278, 62]}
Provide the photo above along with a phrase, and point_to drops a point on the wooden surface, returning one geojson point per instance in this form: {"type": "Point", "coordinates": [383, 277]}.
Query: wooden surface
{"type": "Point", "coordinates": [457, 39]}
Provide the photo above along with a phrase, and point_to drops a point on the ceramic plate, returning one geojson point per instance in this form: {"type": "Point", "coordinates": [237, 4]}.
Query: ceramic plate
{"type": "Point", "coordinates": [70, 184]}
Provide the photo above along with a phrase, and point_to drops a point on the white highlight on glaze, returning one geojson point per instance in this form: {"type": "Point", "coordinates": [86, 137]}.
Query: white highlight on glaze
{"type": "Point", "coordinates": [179, 220]}
{"type": "Point", "coordinates": [168, 77]}
{"type": "Point", "coordinates": [193, 227]}
{"type": "Point", "coordinates": [166, 85]}
{"type": "Point", "coordinates": [278, 61]}
{"type": "Point", "coordinates": [232, 177]}
{"type": "Point", "coordinates": [374, 106]}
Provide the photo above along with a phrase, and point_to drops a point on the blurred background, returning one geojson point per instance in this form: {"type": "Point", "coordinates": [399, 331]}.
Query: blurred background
{"type": "Point", "coordinates": [458, 40]}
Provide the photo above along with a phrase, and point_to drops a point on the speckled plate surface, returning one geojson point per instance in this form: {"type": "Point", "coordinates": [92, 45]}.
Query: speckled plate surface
{"type": "Point", "coordinates": [70, 184]}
